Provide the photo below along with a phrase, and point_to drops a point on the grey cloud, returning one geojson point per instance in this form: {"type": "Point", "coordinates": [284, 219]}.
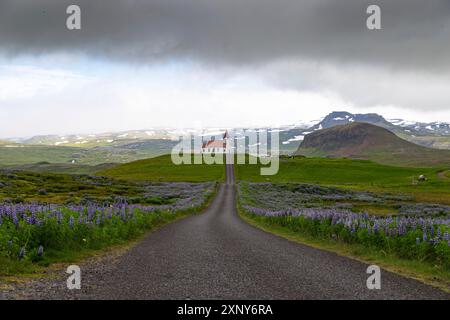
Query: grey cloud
{"type": "Point", "coordinates": [363, 85]}
{"type": "Point", "coordinates": [407, 63]}
{"type": "Point", "coordinates": [415, 33]}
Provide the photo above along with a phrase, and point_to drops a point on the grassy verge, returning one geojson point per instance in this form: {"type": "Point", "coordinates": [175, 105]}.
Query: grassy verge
{"type": "Point", "coordinates": [11, 268]}
{"type": "Point", "coordinates": [419, 270]}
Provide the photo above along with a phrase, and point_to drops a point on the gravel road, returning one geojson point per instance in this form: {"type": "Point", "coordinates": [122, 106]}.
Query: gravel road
{"type": "Point", "coordinates": [216, 255]}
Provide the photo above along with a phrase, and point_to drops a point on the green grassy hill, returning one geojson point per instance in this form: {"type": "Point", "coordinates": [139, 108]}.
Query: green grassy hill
{"type": "Point", "coordinates": [162, 169]}
{"type": "Point", "coordinates": [69, 168]}
{"type": "Point", "coordinates": [370, 142]}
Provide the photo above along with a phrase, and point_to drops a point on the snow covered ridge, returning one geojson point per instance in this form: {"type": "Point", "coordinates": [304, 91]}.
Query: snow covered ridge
{"type": "Point", "coordinates": [436, 127]}
{"type": "Point", "coordinates": [295, 138]}
{"type": "Point", "coordinates": [401, 122]}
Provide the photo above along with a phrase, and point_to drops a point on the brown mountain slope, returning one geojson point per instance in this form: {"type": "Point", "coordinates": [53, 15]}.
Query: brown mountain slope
{"type": "Point", "coordinates": [370, 142]}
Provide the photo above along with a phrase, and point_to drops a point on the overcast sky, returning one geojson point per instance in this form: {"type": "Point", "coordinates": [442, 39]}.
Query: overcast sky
{"type": "Point", "coordinates": [161, 63]}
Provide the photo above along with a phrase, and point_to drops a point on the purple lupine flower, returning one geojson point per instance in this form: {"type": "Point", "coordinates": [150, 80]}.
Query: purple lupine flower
{"type": "Point", "coordinates": [375, 227]}
{"type": "Point", "coordinates": [15, 219]}
{"type": "Point", "coordinates": [424, 237]}
{"type": "Point", "coordinates": [71, 222]}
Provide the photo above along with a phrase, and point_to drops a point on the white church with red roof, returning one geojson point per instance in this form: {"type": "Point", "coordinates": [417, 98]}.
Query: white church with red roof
{"type": "Point", "coordinates": [217, 146]}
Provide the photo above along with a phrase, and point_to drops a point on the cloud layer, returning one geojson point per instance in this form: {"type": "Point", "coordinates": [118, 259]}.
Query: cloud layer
{"type": "Point", "coordinates": [415, 33]}
{"type": "Point", "coordinates": [320, 46]}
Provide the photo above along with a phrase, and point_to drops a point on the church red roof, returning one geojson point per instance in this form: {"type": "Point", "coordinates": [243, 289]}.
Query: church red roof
{"type": "Point", "coordinates": [214, 144]}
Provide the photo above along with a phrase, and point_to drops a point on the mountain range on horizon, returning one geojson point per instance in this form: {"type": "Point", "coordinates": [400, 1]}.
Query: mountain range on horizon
{"type": "Point", "coordinates": [125, 146]}
{"type": "Point", "coordinates": [410, 130]}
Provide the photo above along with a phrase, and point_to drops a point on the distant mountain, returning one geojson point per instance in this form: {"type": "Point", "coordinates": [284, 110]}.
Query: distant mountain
{"type": "Point", "coordinates": [434, 135]}
{"type": "Point", "coordinates": [338, 118]}
{"type": "Point", "coordinates": [422, 128]}
{"type": "Point", "coordinates": [360, 140]}
{"type": "Point", "coordinates": [94, 140]}
{"type": "Point", "coordinates": [292, 138]}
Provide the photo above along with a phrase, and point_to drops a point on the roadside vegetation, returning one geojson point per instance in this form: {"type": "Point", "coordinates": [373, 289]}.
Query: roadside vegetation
{"type": "Point", "coordinates": [424, 271]}
{"type": "Point", "coordinates": [357, 208]}
{"type": "Point", "coordinates": [47, 217]}
{"type": "Point", "coordinates": [41, 234]}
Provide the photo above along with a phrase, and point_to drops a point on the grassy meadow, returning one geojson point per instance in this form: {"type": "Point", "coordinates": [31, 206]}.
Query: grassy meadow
{"type": "Point", "coordinates": [162, 169]}
{"type": "Point", "coordinates": [355, 174]}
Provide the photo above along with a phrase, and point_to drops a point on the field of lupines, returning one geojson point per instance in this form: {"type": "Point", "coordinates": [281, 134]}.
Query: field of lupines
{"type": "Point", "coordinates": [412, 231]}
{"type": "Point", "coordinates": [282, 196]}
{"type": "Point", "coordinates": [39, 230]}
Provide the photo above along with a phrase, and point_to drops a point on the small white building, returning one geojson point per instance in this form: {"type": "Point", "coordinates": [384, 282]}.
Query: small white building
{"type": "Point", "coordinates": [217, 146]}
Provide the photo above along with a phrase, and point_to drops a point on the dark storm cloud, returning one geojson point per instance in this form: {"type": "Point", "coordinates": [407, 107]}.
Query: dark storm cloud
{"type": "Point", "coordinates": [320, 46]}
{"type": "Point", "coordinates": [415, 34]}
